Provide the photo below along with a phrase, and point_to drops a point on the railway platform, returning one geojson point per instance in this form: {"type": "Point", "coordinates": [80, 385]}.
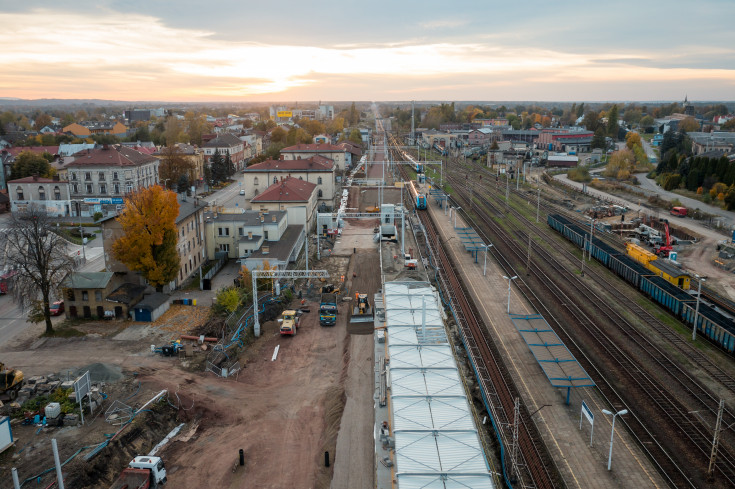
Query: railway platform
{"type": "Point", "coordinates": [580, 465]}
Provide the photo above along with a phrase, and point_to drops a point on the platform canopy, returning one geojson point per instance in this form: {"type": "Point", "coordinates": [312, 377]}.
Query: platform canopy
{"type": "Point", "coordinates": [436, 440]}
{"type": "Point", "coordinates": [554, 358]}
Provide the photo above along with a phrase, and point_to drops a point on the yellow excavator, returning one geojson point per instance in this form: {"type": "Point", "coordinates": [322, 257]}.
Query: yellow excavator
{"type": "Point", "coordinates": [11, 380]}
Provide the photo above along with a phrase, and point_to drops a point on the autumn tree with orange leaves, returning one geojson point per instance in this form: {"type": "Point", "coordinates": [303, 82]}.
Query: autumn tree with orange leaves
{"type": "Point", "coordinates": [149, 243]}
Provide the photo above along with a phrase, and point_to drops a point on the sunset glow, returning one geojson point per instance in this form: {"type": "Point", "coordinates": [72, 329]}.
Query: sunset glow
{"type": "Point", "coordinates": [134, 56]}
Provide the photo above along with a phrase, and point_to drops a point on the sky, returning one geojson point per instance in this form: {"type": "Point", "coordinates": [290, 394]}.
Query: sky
{"type": "Point", "coordinates": [287, 50]}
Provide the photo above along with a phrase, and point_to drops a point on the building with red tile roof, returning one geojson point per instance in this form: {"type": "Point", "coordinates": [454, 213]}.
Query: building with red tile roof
{"type": "Point", "coordinates": [16, 150]}
{"type": "Point", "coordinates": [297, 197]}
{"type": "Point", "coordinates": [301, 151]}
{"type": "Point", "coordinates": [315, 169]}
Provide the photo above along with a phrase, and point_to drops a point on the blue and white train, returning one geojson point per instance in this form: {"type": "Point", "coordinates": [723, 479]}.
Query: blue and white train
{"type": "Point", "coordinates": [418, 198]}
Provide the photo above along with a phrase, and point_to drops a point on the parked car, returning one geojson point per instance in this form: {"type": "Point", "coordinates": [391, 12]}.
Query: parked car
{"type": "Point", "coordinates": [242, 191]}
{"type": "Point", "coordinates": [56, 308]}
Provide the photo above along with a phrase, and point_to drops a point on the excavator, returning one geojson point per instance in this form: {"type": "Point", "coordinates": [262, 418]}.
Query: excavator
{"type": "Point", "coordinates": [11, 380]}
{"type": "Point", "coordinates": [362, 312]}
{"type": "Point", "coordinates": [666, 248]}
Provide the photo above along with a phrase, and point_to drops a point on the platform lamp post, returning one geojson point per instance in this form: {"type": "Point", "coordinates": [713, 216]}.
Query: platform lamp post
{"type": "Point", "coordinates": [696, 312]}
{"type": "Point", "coordinates": [456, 209]}
{"type": "Point", "coordinates": [484, 266]}
{"type": "Point", "coordinates": [509, 279]}
{"type": "Point", "coordinates": [612, 432]}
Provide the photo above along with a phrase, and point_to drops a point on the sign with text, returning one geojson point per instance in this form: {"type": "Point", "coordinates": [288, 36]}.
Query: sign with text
{"type": "Point", "coordinates": [287, 114]}
{"type": "Point", "coordinates": [99, 200]}
{"type": "Point", "coordinates": [587, 412]}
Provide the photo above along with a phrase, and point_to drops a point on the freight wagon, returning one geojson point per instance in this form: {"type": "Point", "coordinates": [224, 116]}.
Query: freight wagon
{"type": "Point", "coordinates": [710, 323]}
{"type": "Point", "coordinates": [661, 281]}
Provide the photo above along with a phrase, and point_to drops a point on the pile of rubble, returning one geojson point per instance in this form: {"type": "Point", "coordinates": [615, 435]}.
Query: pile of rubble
{"type": "Point", "coordinates": [40, 385]}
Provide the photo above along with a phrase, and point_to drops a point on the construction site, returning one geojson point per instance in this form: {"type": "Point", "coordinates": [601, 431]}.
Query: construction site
{"type": "Point", "coordinates": [226, 421]}
{"type": "Point", "coordinates": [378, 361]}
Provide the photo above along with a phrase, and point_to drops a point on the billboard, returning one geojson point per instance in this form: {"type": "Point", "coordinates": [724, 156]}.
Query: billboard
{"type": "Point", "coordinates": [284, 114]}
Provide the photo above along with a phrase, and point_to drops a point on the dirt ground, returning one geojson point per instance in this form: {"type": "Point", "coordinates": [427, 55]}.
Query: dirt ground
{"type": "Point", "coordinates": [699, 258]}
{"type": "Point", "coordinates": [316, 397]}
{"type": "Point", "coordinates": [282, 412]}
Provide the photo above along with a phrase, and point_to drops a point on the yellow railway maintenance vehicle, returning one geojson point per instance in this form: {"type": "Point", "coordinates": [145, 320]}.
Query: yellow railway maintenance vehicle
{"type": "Point", "coordinates": [662, 268]}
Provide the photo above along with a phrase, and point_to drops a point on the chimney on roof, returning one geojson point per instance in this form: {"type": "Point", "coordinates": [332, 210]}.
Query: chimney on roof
{"type": "Point", "coordinates": [265, 249]}
{"type": "Point", "coordinates": [273, 218]}
{"type": "Point", "coordinates": [250, 235]}
{"type": "Point", "coordinates": [35, 178]}
{"type": "Point", "coordinates": [262, 218]}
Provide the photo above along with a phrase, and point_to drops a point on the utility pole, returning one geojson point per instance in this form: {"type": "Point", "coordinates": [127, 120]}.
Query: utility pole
{"type": "Point", "coordinates": [538, 201]}
{"type": "Point", "coordinates": [507, 186]}
{"type": "Point", "coordinates": [81, 233]}
{"type": "Point", "coordinates": [528, 259]}
{"type": "Point", "coordinates": [592, 235]}
{"type": "Point", "coordinates": [413, 134]}
{"type": "Point", "coordinates": [514, 447]}
{"type": "Point", "coordinates": [715, 441]}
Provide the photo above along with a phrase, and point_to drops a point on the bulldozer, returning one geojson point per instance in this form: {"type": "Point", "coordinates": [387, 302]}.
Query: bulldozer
{"type": "Point", "coordinates": [11, 381]}
{"type": "Point", "coordinates": [362, 312]}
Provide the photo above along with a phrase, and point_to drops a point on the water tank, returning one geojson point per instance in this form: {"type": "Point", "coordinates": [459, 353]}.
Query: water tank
{"type": "Point", "coordinates": [53, 410]}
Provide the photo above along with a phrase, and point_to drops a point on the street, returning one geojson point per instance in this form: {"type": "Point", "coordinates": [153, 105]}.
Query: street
{"type": "Point", "coordinates": [728, 217]}
{"type": "Point", "coordinates": [630, 204]}
{"type": "Point", "coordinates": [230, 195]}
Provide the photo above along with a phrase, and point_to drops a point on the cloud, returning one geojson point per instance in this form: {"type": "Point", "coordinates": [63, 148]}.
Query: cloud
{"type": "Point", "coordinates": [443, 24]}
{"type": "Point", "coordinates": [48, 53]}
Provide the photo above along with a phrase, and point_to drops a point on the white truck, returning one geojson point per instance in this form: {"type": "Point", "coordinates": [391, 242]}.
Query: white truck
{"type": "Point", "coordinates": [142, 473]}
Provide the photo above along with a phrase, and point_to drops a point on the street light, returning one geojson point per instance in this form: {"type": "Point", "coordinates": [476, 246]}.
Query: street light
{"type": "Point", "coordinates": [612, 432]}
{"type": "Point", "coordinates": [509, 281]}
{"type": "Point", "coordinates": [81, 232]}
{"type": "Point", "coordinates": [484, 266]}
{"type": "Point", "coordinates": [696, 312]}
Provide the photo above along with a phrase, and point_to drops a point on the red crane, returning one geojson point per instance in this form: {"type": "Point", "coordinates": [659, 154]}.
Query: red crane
{"type": "Point", "coordinates": [666, 248]}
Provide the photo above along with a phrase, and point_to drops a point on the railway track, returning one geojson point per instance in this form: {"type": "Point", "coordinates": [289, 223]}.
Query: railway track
{"type": "Point", "coordinates": [498, 389]}
{"type": "Point", "coordinates": [697, 358]}
{"type": "Point", "coordinates": [697, 434]}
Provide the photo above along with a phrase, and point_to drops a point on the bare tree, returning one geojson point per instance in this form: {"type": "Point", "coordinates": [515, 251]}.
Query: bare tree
{"type": "Point", "coordinates": [173, 164]}
{"type": "Point", "coordinates": [40, 257]}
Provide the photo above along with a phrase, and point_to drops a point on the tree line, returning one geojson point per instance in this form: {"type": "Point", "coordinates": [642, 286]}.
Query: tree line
{"type": "Point", "coordinates": [713, 178]}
